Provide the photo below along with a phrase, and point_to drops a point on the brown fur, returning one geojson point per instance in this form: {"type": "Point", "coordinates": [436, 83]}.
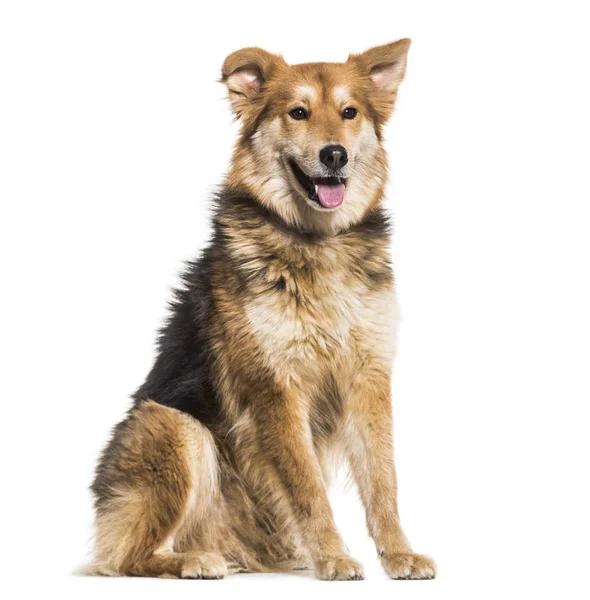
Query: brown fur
{"type": "Point", "coordinates": [302, 342]}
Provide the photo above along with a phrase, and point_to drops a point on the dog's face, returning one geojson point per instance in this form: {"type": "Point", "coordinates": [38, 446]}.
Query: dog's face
{"type": "Point", "coordinates": [310, 147]}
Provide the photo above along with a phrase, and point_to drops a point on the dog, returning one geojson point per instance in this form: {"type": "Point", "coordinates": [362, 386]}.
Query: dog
{"type": "Point", "coordinates": [278, 351]}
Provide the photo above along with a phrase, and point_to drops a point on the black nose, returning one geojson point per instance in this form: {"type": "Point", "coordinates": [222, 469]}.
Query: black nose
{"type": "Point", "coordinates": [334, 156]}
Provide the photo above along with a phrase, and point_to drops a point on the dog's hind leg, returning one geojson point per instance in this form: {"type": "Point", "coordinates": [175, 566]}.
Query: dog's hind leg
{"type": "Point", "coordinates": [157, 474]}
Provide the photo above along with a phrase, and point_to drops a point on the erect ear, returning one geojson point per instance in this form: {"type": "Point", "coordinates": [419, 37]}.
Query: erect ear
{"type": "Point", "coordinates": [385, 65]}
{"type": "Point", "coordinates": [244, 73]}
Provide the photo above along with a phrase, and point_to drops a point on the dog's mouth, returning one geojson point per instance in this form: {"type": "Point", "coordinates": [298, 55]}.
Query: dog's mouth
{"type": "Point", "coordinates": [327, 192]}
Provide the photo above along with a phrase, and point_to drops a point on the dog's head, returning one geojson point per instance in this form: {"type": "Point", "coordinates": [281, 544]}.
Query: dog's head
{"type": "Point", "coordinates": [311, 141]}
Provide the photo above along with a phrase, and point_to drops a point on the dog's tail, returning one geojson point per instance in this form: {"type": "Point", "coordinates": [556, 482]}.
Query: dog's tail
{"type": "Point", "coordinates": [95, 569]}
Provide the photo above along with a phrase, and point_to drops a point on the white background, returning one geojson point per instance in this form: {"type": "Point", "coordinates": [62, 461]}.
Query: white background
{"type": "Point", "coordinates": [114, 132]}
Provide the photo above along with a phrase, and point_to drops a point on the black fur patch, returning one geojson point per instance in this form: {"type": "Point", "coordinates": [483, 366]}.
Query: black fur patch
{"type": "Point", "coordinates": [181, 375]}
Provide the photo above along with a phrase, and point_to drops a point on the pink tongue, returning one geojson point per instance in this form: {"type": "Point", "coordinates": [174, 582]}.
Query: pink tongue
{"type": "Point", "coordinates": [331, 196]}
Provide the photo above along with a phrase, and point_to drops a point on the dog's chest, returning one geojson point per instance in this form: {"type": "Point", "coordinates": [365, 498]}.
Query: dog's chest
{"type": "Point", "coordinates": [315, 320]}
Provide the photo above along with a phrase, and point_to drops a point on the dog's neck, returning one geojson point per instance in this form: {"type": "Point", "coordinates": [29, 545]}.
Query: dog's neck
{"type": "Point", "coordinates": [239, 215]}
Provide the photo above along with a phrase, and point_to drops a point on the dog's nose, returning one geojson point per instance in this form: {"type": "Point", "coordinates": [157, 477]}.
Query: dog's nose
{"type": "Point", "coordinates": [334, 156]}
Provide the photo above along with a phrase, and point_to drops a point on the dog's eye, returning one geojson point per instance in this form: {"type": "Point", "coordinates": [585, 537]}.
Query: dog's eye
{"type": "Point", "coordinates": [298, 114]}
{"type": "Point", "coordinates": [349, 113]}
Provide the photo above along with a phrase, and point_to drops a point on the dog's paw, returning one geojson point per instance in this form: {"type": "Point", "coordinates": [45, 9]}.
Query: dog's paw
{"type": "Point", "coordinates": [408, 566]}
{"type": "Point", "coordinates": [339, 568]}
{"type": "Point", "coordinates": [204, 565]}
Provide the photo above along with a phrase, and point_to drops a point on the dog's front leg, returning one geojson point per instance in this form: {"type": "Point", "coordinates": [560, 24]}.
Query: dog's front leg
{"type": "Point", "coordinates": [369, 441]}
{"type": "Point", "coordinates": [286, 441]}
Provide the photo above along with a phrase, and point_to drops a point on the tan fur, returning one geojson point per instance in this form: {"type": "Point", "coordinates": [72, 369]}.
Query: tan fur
{"type": "Point", "coordinates": [302, 343]}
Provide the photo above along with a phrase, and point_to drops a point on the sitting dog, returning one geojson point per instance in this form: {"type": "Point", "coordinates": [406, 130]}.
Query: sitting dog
{"type": "Point", "coordinates": [278, 351]}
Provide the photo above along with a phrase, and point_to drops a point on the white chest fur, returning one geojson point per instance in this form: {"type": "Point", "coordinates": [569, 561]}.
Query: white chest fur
{"type": "Point", "coordinates": [324, 325]}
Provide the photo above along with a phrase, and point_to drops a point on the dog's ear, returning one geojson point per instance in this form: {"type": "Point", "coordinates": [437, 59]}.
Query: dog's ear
{"type": "Point", "coordinates": [385, 66]}
{"type": "Point", "coordinates": [244, 73]}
